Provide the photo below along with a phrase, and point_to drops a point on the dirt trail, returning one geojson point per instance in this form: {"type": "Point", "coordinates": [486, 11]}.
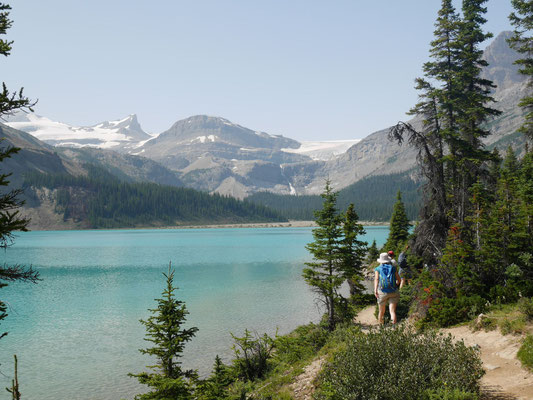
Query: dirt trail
{"type": "Point", "coordinates": [505, 378]}
{"type": "Point", "coordinates": [303, 386]}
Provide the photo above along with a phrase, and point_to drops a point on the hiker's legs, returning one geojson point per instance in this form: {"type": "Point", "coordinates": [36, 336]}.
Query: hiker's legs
{"type": "Point", "coordinates": [381, 315]}
{"type": "Point", "coordinates": [392, 310]}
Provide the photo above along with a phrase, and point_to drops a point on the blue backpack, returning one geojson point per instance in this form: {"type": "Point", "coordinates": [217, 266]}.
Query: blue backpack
{"type": "Point", "coordinates": [387, 278]}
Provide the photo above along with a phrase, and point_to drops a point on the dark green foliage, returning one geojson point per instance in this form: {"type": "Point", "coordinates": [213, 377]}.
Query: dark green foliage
{"type": "Point", "coordinates": [399, 226]}
{"type": "Point", "coordinates": [216, 386]}
{"type": "Point", "coordinates": [475, 226]}
{"type": "Point", "coordinates": [303, 342]}
{"type": "Point", "coordinates": [525, 305]}
{"type": "Point", "coordinates": [324, 274]}
{"type": "Point", "coordinates": [399, 364]}
{"type": "Point", "coordinates": [374, 197]}
{"type": "Point", "coordinates": [352, 251]}
{"type": "Point", "coordinates": [373, 253]}
{"type": "Point", "coordinates": [14, 389]}
{"type": "Point", "coordinates": [106, 202]}
{"type": "Point", "coordinates": [448, 311]}
{"type": "Point", "coordinates": [522, 42]}
{"type": "Point", "coordinates": [337, 256]}
{"type": "Point", "coordinates": [455, 104]}
{"type": "Point", "coordinates": [164, 328]}
{"type": "Point", "coordinates": [446, 394]}
{"type": "Point", "coordinates": [252, 354]}
{"type": "Point", "coordinates": [525, 353]}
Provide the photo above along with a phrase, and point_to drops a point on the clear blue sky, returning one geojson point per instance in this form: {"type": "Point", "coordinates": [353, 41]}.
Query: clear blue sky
{"type": "Point", "coordinates": [306, 69]}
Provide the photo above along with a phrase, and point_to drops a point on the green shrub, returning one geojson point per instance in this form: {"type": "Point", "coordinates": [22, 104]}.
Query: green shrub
{"type": "Point", "coordinates": [252, 354]}
{"type": "Point", "coordinates": [399, 364]}
{"type": "Point", "coordinates": [513, 326]}
{"type": "Point", "coordinates": [525, 354]}
{"type": "Point", "coordinates": [525, 305]}
{"type": "Point", "coordinates": [303, 342]}
{"type": "Point", "coordinates": [445, 394]}
{"type": "Point", "coordinates": [450, 311]}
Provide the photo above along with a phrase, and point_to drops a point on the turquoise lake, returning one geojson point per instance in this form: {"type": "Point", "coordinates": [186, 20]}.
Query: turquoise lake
{"type": "Point", "coordinates": [77, 332]}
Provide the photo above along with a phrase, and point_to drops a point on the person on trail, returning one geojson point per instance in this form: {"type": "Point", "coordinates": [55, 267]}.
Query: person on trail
{"type": "Point", "coordinates": [405, 270]}
{"type": "Point", "coordinates": [392, 261]}
{"type": "Point", "coordinates": [386, 281]}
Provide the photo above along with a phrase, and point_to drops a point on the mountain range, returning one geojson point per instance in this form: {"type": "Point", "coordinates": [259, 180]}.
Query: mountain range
{"type": "Point", "coordinates": [216, 155]}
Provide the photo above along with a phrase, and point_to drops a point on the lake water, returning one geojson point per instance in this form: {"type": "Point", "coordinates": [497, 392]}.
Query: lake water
{"type": "Point", "coordinates": [77, 332]}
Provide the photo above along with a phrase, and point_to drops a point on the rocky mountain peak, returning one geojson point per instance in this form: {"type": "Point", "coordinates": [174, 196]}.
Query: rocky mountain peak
{"type": "Point", "coordinates": [202, 129]}
{"type": "Point", "coordinates": [501, 69]}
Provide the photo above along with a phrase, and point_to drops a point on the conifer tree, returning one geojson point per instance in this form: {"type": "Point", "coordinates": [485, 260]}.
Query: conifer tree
{"type": "Point", "coordinates": [373, 253]}
{"type": "Point", "coordinates": [502, 227]}
{"type": "Point", "coordinates": [507, 215]}
{"type": "Point", "coordinates": [324, 274]}
{"type": "Point", "coordinates": [352, 251]}
{"type": "Point", "coordinates": [164, 328]}
{"type": "Point", "coordinates": [437, 141]}
{"type": "Point", "coordinates": [457, 276]}
{"type": "Point", "coordinates": [215, 387]}
{"type": "Point", "coordinates": [474, 105]}
{"type": "Point", "coordinates": [522, 42]}
{"type": "Point", "coordinates": [455, 103]}
{"type": "Point", "coordinates": [10, 101]}
{"type": "Point", "coordinates": [399, 226]}
{"type": "Point", "coordinates": [10, 218]}
{"type": "Point", "coordinates": [526, 193]}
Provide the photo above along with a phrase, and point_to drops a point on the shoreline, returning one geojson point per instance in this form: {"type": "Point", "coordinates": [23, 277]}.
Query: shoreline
{"type": "Point", "coordinates": [289, 224]}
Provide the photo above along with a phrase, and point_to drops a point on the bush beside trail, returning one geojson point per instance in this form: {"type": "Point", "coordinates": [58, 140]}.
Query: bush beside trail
{"type": "Point", "coordinates": [400, 363]}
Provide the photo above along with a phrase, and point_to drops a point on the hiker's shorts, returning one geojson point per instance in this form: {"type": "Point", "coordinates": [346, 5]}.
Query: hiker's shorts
{"type": "Point", "coordinates": [391, 298]}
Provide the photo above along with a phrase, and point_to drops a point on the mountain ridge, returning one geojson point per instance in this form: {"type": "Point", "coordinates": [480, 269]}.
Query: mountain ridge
{"type": "Point", "coordinates": [216, 155]}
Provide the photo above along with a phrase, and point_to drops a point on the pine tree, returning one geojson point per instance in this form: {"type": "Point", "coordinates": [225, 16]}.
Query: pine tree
{"type": "Point", "coordinates": [215, 387]}
{"type": "Point", "coordinates": [165, 330]}
{"type": "Point", "coordinates": [526, 193]}
{"type": "Point", "coordinates": [373, 253]}
{"type": "Point", "coordinates": [508, 211]}
{"type": "Point", "coordinates": [324, 274]}
{"type": "Point", "coordinates": [10, 218]}
{"type": "Point", "coordinates": [352, 251]}
{"type": "Point", "coordinates": [455, 103]}
{"type": "Point", "coordinates": [457, 275]}
{"type": "Point", "coordinates": [437, 141]}
{"type": "Point", "coordinates": [10, 102]}
{"type": "Point", "coordinates": [522, 42]}
{"type": "Point", "coordinates": [474, 105]}
{"type": "Point", "coordinates": [399, 226]}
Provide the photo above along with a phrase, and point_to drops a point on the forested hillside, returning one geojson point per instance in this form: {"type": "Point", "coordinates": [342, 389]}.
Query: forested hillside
{"type": "Point", "coordinates": [100, 200]}
{"type": "Point", "coordinates": [373, 198]}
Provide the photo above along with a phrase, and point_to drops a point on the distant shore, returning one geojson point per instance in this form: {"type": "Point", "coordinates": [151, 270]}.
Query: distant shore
{"type": "Point", "coordinates": [40, 223]}
{"type": "Point", "coordinates": [290, 224]}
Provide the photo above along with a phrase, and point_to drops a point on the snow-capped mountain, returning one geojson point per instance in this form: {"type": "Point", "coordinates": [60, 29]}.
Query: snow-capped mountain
{"type": "Point", "coordinates": [120, 135]}
{"type": "Point", "coordinates": [217, 155]}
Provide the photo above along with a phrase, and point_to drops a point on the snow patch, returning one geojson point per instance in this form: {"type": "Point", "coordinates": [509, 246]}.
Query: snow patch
{"type": "Point", "coordinates": [323, 150]}
{"type": "Point", "coordinates": [203, 139]}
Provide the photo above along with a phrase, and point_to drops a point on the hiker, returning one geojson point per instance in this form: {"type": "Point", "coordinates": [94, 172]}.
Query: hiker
{"type": "Point", "coordinates": [405, 270]}
{"type": "Point", "coordinates": [393, 261]}
{"type": "Point", "coordinates": [386, 281]}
